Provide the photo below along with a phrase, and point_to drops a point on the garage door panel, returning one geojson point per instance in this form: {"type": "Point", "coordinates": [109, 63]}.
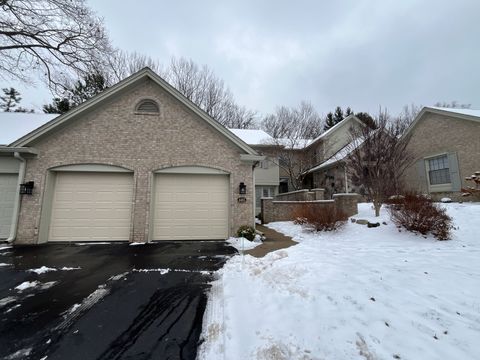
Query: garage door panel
{"type": "Point", "coordinates": [8, 190]}
{"type": "Point", "coordinates": [190, 207]}
{"type": "Point", "coordinates": [91, 207]}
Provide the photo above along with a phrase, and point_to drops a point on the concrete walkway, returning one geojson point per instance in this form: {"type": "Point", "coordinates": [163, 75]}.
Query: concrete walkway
{"type": "Point", "coordinates": [273, 241]}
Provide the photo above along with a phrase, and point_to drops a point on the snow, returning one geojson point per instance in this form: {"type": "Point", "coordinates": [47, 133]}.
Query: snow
{"type": "Point", "coordinates": [243, 244]}
{"type": "Point", "coordinates": [16, 125]}
{"type": "Point", "coordinates": [360, 292]}
{"type": "Point", "coordinates": [470, 112]}
{"type": "Point", "coordinates": [68, 268]}
{"type": "Point", "coordinates": [42, 270]}
{"type": "Point", "coordinates": [27, 285]}
{"type": "Point", "coordinates": [446, 200]}
{"type": "Point", "coordinates": [4, 264]}
{"type": "Point", "coordinates": [253, 136]}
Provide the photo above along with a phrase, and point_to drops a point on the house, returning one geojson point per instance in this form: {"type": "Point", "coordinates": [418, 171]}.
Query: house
{"type": "Point", "coordinates": [138, 162]}
{"type": "Point", "coordinates": [267, 173]}
{"type": "Point", "coordinates": [445, 144]}
{"type": "Point", "coordinates": [327, 153]}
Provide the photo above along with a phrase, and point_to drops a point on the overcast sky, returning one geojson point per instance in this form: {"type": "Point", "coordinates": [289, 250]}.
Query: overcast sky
{"type": "Point", "coordinates": [356, 53]}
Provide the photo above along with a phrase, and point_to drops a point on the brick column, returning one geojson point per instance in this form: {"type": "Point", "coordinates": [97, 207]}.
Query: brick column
{"type": "Point", "coordinates": [347, 203]}
{"type": "Point", "coordinates": [267, 210]}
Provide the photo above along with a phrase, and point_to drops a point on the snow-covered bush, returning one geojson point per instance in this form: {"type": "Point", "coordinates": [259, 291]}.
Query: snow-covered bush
{"type": "Point", "coordinates": [247, 232]}
{"type": "Point", "coordinates": [420, 214]}
{"type": "Point", "coordinates": [320, 220]}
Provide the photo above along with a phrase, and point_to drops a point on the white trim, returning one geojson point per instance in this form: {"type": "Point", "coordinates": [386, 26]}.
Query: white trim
{"type": "Point", "coordinates": [190, 170]}
{"type": "Point", "coordinates": [437, 187]}
{"type": "Point", "coordinates": [91, 168]}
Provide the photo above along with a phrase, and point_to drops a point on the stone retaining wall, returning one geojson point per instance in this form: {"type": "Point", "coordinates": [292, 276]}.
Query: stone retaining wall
{"type": "Point", "coordinates": [275, 210]}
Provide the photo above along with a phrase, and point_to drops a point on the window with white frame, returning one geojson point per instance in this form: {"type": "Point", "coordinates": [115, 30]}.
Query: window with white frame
{"type": "Point", "coordinates": [264, 164]}
{"type": "Point", "coordinates": [438, 170]}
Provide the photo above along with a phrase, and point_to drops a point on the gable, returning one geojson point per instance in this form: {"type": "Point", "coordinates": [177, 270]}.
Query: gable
{"type": "Point", "coordinates": [459, 114]}
{"type": "Point", "coordinates": [123, 87]}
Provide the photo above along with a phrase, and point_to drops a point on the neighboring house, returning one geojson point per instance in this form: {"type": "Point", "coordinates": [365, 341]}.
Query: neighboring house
{"type": "Point", "coordinates": [267, 171]}
{"type": "Point", "coordinates": [445, 144]}
{"type": "Point", "coordinates": [328, 153]}
{"type": "Point", "coordinates": [138, 162]}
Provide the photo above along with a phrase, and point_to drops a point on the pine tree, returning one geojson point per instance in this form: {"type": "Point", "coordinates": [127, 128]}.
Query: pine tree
{"type": "Point", "coordinates": [10, 99]}
{"type": "Point", "coordinates": [338, 115]}
{"type": "Point", "coordinates": [348, 112]}
{"type": "Point", "coordinates": [59, 106]}
{"type": "Point", "coordinates": [329, 121]}
{"type": "Point", "coordinates": [366, 119]}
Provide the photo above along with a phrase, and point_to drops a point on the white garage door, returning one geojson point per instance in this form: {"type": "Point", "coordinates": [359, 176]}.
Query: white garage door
{"type": "Point", "coordinates": [190, 207]}
{"type": "Point", "coordinates": [8, 189]}
{"type": "Point", "coordinates": [91, 207]}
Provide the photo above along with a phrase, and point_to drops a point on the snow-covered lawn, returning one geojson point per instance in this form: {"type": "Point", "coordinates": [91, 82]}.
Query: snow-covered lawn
{"type": "Point", "coordinates": [359, 293]}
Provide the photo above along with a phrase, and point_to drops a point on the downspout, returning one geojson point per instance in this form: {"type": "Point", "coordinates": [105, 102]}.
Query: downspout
{"type": "Point", "coordinates": [346, 178]}
{"type": "Point", "coordinates": [16, 204]}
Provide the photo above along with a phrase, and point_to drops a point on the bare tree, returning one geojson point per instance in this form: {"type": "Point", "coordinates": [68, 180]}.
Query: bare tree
{"type": "Point", "coordinates": [123, 64]}
{"type": "Point", "coordinates": [379, 157]}
{"type": "Point", "coordinates": [60, 39]}
{"type": "Point", "coordinates": [409, 113]}
{"type": "Point", "coordinates": [292, 129]}
{"type": "Point", "coordinates": [293, 123]}
{"type": "Point", "coordinates": [452, 104]}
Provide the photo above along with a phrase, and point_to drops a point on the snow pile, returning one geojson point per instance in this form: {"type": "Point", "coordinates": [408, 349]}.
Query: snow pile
{"type": "Point", "coordinates": [68, 268]}
{"type": "Point", "coordinates": [243, 244]}
{"type": "Point", "coordinates": [27, 285]}
{"type": "Point", "coordinates": [373, 293]}
{"type": "Point", "coordinates": [42, 270]}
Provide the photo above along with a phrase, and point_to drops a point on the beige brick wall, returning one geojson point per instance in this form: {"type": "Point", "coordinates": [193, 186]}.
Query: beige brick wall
{"type": "Point", "coordinates": [437, 134]}
{"type": "Point", "coordinates": [113, 134]}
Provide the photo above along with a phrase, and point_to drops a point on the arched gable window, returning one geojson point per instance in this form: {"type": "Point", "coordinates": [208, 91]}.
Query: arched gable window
{"type": "Point", "coordinates": [147, 106]}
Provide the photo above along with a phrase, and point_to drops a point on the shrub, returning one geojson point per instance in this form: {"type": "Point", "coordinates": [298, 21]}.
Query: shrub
{"type": "Point", "coordinates": [420, 214]}
{"type": "Point", "coordinates": [319, 220]}
{"type": "Point", "coordinates": [247, 232]}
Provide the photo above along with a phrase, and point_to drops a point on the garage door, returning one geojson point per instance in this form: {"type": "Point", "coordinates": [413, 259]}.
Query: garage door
{"type": "Point", "coordinates": [91, 207]}
{"type": "Point", "coordinates": [8, 189]}
{"type": "Point", "coordinates": [190, 207]}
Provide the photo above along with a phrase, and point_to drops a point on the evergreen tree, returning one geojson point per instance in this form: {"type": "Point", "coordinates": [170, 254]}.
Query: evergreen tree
{"type": "Point", "coordinates": [77, 93]}
{"type": "Point", "coordinates": [329, 121]}
{"type": "Point", "coordinates": [10, 100]}
{"type": "Point", "coordinates": [338, 115]}
{"type": "Point", "coordinates": [59, 106]}
{"type": "Point", "coordinates": [366, 119]}
{"type": "Point", "coordinates": [348, 112]}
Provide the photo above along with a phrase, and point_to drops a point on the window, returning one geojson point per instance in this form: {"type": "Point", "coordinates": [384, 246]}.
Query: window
{"type": "Point", "coordinates": [264, 164]}
{"type": "Point", "coordinates": [263, 191]}
{"type": "Point", "coordinates": [147, 106]}
{"type": "Point", "coordinates": [438, 170]}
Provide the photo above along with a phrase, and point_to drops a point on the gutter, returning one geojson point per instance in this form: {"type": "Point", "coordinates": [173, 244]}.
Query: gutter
{"type": "Point", "coordinates": [16, 204]}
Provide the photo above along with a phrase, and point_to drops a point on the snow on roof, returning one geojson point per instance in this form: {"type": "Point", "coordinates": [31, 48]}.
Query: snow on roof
{"type": "Point", "coordinates": [253, 136]}
{"type": "Point", "coordinates": [340, 155]}
{"type": "Point", "coordinates": [15, 125]}
{"type": "Point", "coordinates": [470, 112]}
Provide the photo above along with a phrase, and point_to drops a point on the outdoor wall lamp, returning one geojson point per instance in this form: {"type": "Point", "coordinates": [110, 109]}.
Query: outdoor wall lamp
{"type": "Point", "coordinates": [242, 188]}
{"type": "Point", "coordinates": [27, 188]}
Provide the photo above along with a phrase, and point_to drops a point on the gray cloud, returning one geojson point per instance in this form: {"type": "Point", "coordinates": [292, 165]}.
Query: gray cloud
{"type": "Point", "coordinates": [357, 53]}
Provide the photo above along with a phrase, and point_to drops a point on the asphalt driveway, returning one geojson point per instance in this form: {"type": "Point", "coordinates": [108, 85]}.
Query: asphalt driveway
{"type": "Point", "coordinates": [106, 301]}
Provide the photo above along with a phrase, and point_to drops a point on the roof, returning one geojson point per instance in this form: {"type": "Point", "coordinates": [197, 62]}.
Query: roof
{"type": "Point", "coordinates": [145, 73]}
{"type": "Point", "coordinates": [335, 128]}
{"type": "Point", "coordinates": [253, 136]}
{"type": "Point", "coordinates": [339, 156]}
{"type": "Point", "coordinates": [15, 125]}
{"type": "Point", "coordinates": [464, 114]}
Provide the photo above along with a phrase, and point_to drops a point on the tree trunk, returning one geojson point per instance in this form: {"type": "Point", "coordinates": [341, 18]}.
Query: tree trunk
{"type": "Point", "coordinates": [377, 205]}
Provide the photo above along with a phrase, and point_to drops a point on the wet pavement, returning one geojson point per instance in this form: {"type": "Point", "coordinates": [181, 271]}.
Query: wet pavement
{"type": "Point", "coordinates": [110, 301]}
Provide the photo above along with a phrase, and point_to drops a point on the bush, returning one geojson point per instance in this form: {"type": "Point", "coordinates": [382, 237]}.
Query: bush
{"type": "Point", "coordinates": [320, 220]}
{"type": "Point", "coordinates": [420, 214]}
{"type": "Point", "coordinates": [247, 232]}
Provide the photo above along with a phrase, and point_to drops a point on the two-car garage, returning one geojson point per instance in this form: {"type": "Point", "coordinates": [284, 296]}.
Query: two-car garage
{"type": "Point", "coordinates": [98, 206]}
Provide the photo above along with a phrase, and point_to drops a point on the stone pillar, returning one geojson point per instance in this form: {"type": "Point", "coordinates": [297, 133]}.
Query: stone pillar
{"type": "Point", "coordinates": [319, 194]}
{"type": "Point", "coordinates": [347, 203]}
{"type": "Point", "coordinates": [267, 210]}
